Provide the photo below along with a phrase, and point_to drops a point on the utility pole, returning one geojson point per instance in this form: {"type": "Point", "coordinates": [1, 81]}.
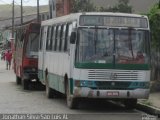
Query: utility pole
{"type": "Point", "coordinates": [12, 39]}
{"type": "Point", "coordinates": [38, 11]}
{"type": "Point", "coordinates": [13, 19]}
{"type": "Point", "coordinates": [21, 12]}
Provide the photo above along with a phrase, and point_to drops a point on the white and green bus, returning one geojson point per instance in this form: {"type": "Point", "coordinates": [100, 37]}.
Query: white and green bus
{"type": "Point", "coordinates": [96, 55]}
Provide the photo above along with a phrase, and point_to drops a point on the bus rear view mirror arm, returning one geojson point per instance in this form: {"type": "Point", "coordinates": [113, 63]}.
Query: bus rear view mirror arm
{"type": "Point", "coordinates": [73, 38]}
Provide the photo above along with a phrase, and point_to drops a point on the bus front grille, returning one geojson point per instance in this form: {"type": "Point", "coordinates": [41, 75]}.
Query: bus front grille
{"type": "Point", "coordinates": [115, 75]}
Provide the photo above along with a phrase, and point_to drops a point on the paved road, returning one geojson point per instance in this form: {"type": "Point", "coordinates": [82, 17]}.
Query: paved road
{"type": "Point", "coordinates": [15, 100]}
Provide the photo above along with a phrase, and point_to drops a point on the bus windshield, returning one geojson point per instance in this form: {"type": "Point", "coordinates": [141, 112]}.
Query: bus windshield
{"type": "Point", "coordinates": [120, 46]}
{"type": "Point", "coordinates": [32, 45]}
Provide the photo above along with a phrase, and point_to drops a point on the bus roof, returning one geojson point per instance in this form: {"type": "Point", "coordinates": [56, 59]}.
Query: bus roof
{"type": "Point", "coordinates": [75, 16]}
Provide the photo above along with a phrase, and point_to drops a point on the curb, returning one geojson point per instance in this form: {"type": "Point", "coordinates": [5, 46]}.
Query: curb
{"type": "Point", "coordinates": [148, 109]}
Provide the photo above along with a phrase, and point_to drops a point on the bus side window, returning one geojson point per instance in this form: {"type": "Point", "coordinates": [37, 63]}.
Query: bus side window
{"type": "Point", "coordinates": [51, 38]}
{"type": "Point", "coordinates": [67, 41]}
{"type": "Point", "coordinates": [69, 35]}
{"type": "Point", "coordinates": [56, 38]}
{"type": "Point", "coordinates": [61, 36]}
{"type": "Point", "coordinates": [47, 40]}
{"type": "Point", "coordinates": [64, 37]}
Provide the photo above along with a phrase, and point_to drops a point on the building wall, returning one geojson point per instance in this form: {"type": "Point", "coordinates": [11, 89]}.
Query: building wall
{"type": "Point", "coordinates": [67, 7]}
{"type": "Point", "coordinates": [59, 8]}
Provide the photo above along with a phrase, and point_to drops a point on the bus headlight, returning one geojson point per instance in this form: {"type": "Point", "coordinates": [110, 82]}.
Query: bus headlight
{"type": "Point", "coordinates": [84, 83]}
{"type": "Point", "coordinates": [144, 85]}
{"type": "Point", "coordinates": [81, 83]}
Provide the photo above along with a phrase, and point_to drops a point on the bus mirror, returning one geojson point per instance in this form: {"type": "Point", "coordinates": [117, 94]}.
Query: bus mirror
{"type": "Point", "coordinates": [73, 38]}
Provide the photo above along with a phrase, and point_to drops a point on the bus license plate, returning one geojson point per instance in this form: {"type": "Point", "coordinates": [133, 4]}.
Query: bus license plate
{"type": "Point", "coordinates": [112, 93]}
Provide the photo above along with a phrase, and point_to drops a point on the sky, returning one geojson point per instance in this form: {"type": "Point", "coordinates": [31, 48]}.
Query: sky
{"type": "Point", "coordinates": [25, 2]}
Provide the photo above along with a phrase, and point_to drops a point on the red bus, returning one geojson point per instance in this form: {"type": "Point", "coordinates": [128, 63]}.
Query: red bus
{"type": "Point", "coordinates": [25, 55]}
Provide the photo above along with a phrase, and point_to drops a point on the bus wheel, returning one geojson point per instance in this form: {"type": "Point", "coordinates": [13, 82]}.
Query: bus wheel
{"type": "Point", "coordinates": [130, 103]}
{"type": "Point", "coordinates": [18, 80]}
{"type": "Point", "coordinates": [49, 91]}
{"type": "Point", "coordinates": [72, 103]}
{"type": "Point", "coordinates": [25, 84]}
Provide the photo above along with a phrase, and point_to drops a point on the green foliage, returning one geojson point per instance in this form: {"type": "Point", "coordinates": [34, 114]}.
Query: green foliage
{"type": "Point", "coordinates": [88, 6]}
{"type": "Point", "coordinates": [83, 6]}
{"type": "Point", "coordinates": [122, 6]}
{"type": "Point", "coordinates": [154, 17]}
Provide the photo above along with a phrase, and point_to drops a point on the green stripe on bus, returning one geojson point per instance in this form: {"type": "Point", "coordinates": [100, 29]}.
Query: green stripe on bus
{"type": "Point", "coordinates": [115, 85]}
{"type": "Point", "coordinates": [110, 66]}
{"type": "Point", "coordinates": [54, 81]}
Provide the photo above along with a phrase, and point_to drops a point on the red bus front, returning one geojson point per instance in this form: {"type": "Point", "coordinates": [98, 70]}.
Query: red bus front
{"type": "Point", "coordinates": [26, 54]}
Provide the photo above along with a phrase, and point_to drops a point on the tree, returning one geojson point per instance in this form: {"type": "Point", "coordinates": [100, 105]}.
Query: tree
{"type": "Point", "coordinates": [154, 18]}
{"type": "Point", "coordinates": [122, 6]}
{"type": "Point", "coordinates": [83, 6]}
{"type": "Point", "coordinates": [88, 6]}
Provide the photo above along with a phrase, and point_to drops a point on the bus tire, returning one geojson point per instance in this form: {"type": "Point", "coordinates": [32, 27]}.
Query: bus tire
{"type": "Point", "coordinates": [25, 84]}
{"type": "Point", "coordinates": [72, 103]}
{"type": "Point", "coordinates": [18, 80]}
{"type": "Point", "coordinates": [50, 93]}
{"type": "Point", "coordinates": [130, 103]}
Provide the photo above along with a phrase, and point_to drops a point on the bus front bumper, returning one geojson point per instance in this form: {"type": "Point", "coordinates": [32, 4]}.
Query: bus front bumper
{"type": "Point", "coordinates": [110, 94]}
